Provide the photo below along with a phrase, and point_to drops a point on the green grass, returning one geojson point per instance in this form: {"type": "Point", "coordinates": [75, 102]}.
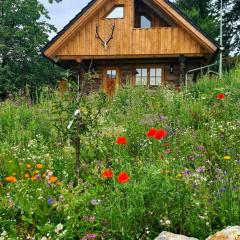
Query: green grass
{"type": "Point", "coordinates": [181, 183]}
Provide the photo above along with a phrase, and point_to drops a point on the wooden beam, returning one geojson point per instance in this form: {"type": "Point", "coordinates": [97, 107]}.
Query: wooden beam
{"type": "Point", "coordinates": [140, 56]}
{"type": "Point", "coordinates": [182, 69]}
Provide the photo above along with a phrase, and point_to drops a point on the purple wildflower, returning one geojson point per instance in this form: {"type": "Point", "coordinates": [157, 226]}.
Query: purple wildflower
{"type": "Point", "coordinates": [200, 148]}
{"type": "Point", "coordinates": [89, 236]}
{"type": "Point", "coordinates": [38, 176]}
{"type": "Point", "coordinates": [201, 169]}
{"type": "Point", "coordinates": [186, 173]}
{"type": "Point", "coordinates": [223, 189]}
{"type": "Point", "coordinates": [51, 200]}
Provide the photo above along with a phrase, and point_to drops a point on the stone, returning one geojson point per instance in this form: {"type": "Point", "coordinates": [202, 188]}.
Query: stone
{"type": "Point", "coordinates": [171, 236]}
{"type": "Point", "coordinates": [230, 233]}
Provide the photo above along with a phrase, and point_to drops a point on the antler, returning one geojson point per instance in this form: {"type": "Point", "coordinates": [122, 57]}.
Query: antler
{"type": "Point", "coordinates": [105, 43]}
{"type": "Point", "coordinates": [111, 37]}
{"type": "Point", "coordinates": [97, 35]}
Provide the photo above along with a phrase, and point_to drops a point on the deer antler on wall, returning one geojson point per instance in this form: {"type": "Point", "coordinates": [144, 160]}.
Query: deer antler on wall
{"type": "Point", "coordinates": [106, 42]}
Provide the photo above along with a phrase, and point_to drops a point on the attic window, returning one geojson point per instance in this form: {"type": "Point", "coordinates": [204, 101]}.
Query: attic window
{"type": "Point", "coordinates": [145, 22]}
{"type": "Point", "coordinates": [116, 12]}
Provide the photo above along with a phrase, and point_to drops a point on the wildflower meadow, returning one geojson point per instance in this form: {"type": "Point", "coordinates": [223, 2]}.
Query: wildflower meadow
{"type": "Point", "coordinates": [152, 160]}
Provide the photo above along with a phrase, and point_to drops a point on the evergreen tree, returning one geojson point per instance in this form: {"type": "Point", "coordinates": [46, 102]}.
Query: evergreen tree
{"type": "Point", "coordinates": [206, 14]}
{"type": "Point", "coordinates": [200, 12]}
{"type": "Point", "coordinates": [231, 25]}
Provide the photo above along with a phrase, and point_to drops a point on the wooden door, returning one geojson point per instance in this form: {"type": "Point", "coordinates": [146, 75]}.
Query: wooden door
{"type": "Point", "coordinates": [110, 80]}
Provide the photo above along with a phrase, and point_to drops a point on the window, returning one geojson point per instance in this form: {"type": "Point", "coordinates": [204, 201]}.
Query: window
{"type": "Point", "coordinates": [155, 76]}
{"type": "Point", "coordinates": [117, 12]}
{"type": "Point", "coordinates": [149, 76]}
{"type": "Point", "coordinates": [111, 73]}
{"type": "Point", "coordinates": [145, 22]}
{"type": "Point", "coordinates": [141, 76]}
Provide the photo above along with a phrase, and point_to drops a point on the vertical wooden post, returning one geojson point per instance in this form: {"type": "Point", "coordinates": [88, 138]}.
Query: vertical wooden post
{"type": "Point", "coordinates": [182, 69]}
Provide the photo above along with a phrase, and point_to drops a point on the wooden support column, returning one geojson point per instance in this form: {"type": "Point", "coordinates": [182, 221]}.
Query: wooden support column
{"type": "Point", "coordinates": [182, 70]}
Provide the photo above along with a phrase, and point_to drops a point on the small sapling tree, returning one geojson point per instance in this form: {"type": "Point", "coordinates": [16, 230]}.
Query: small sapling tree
{"type": "Point", "coordinates": [77, 113]}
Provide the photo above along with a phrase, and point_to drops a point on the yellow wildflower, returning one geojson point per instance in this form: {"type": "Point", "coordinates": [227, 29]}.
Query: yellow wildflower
{"type": "Point", "coordinates": [83, 110]}
{"type": "Point", "coordinates": [28, 166]}
{"type": "Point", "coordinates": [227, 157]}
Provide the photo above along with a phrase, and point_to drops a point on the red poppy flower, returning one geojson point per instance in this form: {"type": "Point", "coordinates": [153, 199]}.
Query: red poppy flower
{"type": "Point", "coordinates": [151, 132]}
{"type": "Point", "coordinates": [121, 140]}
{"type": "Point", "coordinates": [107, 174]}
{"type": "Point", "coordinates": [123, 177]}
{"type": "Point", "coordinates": [220, 96]}
{"type": "Point", "coordinates": [160, 134]}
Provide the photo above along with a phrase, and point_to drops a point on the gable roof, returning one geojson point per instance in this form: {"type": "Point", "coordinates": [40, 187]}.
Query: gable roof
{"type": "Point", "coordinates": [214, 45]}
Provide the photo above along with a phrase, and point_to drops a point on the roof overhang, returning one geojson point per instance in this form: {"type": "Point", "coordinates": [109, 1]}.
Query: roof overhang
{"type": "Point", "coordinates": [169, 8]}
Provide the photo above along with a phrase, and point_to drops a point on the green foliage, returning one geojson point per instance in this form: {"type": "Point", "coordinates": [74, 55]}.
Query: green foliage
{"type": "Point", "coordinates": [23, 34]}
{"type": "Point", "coordinates": [206, 15]}
{"type": "Point", "coordinates": [200, 13]}
{"type": "Point", "coordinates": [76, 114]}
{"type": "Point", "coordinates": [183, 183]}
{"type": "Point", "coordinates": [231, 25]}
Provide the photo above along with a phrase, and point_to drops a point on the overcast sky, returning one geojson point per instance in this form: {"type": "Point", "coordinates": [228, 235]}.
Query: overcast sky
{"type": "Point", "coordinates": [61, 13]}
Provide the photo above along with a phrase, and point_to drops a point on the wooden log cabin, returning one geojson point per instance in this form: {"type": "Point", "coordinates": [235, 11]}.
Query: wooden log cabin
{"type": "Point", "coordinates": [139, 42]}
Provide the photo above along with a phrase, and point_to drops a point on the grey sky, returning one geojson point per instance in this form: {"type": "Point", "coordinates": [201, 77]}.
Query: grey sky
{"type": "Point", "coordinates": [61, 13]}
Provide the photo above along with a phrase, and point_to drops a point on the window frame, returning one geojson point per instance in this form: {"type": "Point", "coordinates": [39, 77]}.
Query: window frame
{"type": "Point", "coordinates": [149, 67]}
{"type": "Point", "coordinates": [112, 9]}
{"type": "Point", "coordinates": [111, 75]}
{"type": "Point", "coordinates": [141, 76]}
{"type": "Point", "coordinates": [155, 76]}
